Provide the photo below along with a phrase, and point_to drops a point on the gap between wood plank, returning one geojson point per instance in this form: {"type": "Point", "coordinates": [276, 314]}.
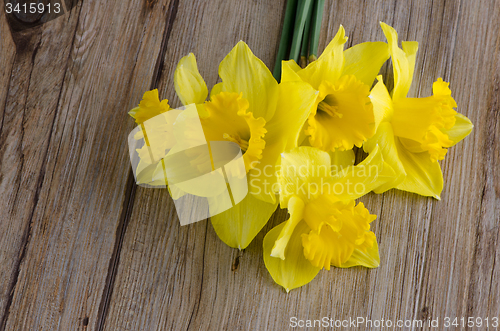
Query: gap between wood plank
{"type": "Point", "coordinates": [128, 204]}
{"type": "Point", "coordinates": [201, 281]}
{"type": "Point", "coordinates": [131, 187]}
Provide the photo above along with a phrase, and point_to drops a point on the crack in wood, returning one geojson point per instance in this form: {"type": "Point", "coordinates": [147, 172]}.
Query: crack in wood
{"type": "Point", "coordinates": [128, 204]}
{"type": "Point", "coordinates": [28, 230]}
{"type": "Point", "coordinates": [174, 6]}
{"type": "Point", "coordinates": [21, 45]}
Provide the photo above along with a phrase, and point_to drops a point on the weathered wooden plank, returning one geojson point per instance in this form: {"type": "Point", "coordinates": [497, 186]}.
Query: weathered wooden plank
{"type": "Point", "coordinates": [83, 191]}
{"type": "Point", "coordinates": [7, 54]}
{"type": "Point", "coordinates": [429, 268]}
{"type": "Point", "coordinates": [35, 61]}
{"type": "Point", "coordinates": [461, 275]}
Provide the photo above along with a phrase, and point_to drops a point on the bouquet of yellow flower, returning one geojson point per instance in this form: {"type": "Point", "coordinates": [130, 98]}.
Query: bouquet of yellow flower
{"type": "Point", "coordinates": [292, 143]}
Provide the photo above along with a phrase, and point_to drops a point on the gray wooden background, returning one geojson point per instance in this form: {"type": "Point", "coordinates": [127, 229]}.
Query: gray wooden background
{"type": "Point", "coordinates": [83, 248]}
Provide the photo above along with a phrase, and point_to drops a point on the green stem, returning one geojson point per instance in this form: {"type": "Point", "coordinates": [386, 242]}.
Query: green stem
{"type": "Point", "coordinates": [291, 8]}
{"type": "Point", "coordinates": [303, 11]}
{"type": "Point", "coordinates": [305, 40]}
{"type": "Point", "coordinates": [317, 17]}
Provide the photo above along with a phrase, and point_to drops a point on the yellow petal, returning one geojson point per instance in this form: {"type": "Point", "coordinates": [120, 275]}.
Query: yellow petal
{"type": "Point", "coordinates": [423, 176]}
{"type": "Point", "coordinates": [344, 117]}
{"type": "Point", "coordinates": [306, 172]}
{"type": "Point", "coordinates": [243, 72]}
{"type": "Point", "coordinates": [289, 70]}
{"type": "Point", "coordinates": [382, 103]}
{"type": "Point", "coordinates": [295, 208]}
{"type": "Point", "coordinates": [216, 89]}
{"type": "Point", "coordinates": [295, 102]}
{"type": "Point", "coordinates": [149, 107]}
{"type": "Point", "coordinates": [410, 48]}
{"type": "Point", "coordinates": [403, 61]}
{"type": "Point", "coordinates": [342, 159]}
{"type": "Point", "coordinates": [463, 126]}
{"type": "Point", "coordinates": [302, 172]}
{"type": "Point", "coordinates": [354, 182]}
{"type": "Point", "coordinates": [384, 139]}
{"type": "Point", "coordinates": [294, 271]}
{"type": "Point", "coordinates": [238, 225]}
{"type": "Point", "coordinates": [145, 174]}
{"type": "Point", "coordinates": [365, 60]}
{"type": "Point", "coordinates": [367, 257]}
{"type": "Point", "coordinates": [189, 85]}
{"type": "Point", "coordinates": [329, 65]}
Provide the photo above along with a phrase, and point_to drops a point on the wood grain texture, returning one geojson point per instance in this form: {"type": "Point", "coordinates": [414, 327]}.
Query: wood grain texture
{"type": "Point", "coordinates": [68, 213]}
{"type": "Point", "coordinates": [82, 248]}
{"type": "Point", "coordinates": [7, 255]}
{"type": "Point", "coordinates": [33, 74]}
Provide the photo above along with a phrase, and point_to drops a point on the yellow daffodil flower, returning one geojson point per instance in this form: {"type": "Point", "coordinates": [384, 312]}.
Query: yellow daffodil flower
{"type": "Point", "coordinates": [325, 227]}
{"type": "Point", "coordinates": [149, 107]}
{"type": "Point", "coordinates": [414, 133]}
{"type": "Point", "coordinates": [342, 116]}
{"type": "Point", "coordinates": [250, 109]}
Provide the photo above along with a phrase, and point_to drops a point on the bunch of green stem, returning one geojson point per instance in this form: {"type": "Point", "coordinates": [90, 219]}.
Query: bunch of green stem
{"type": "Point", "coordinates": [300, 34]}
